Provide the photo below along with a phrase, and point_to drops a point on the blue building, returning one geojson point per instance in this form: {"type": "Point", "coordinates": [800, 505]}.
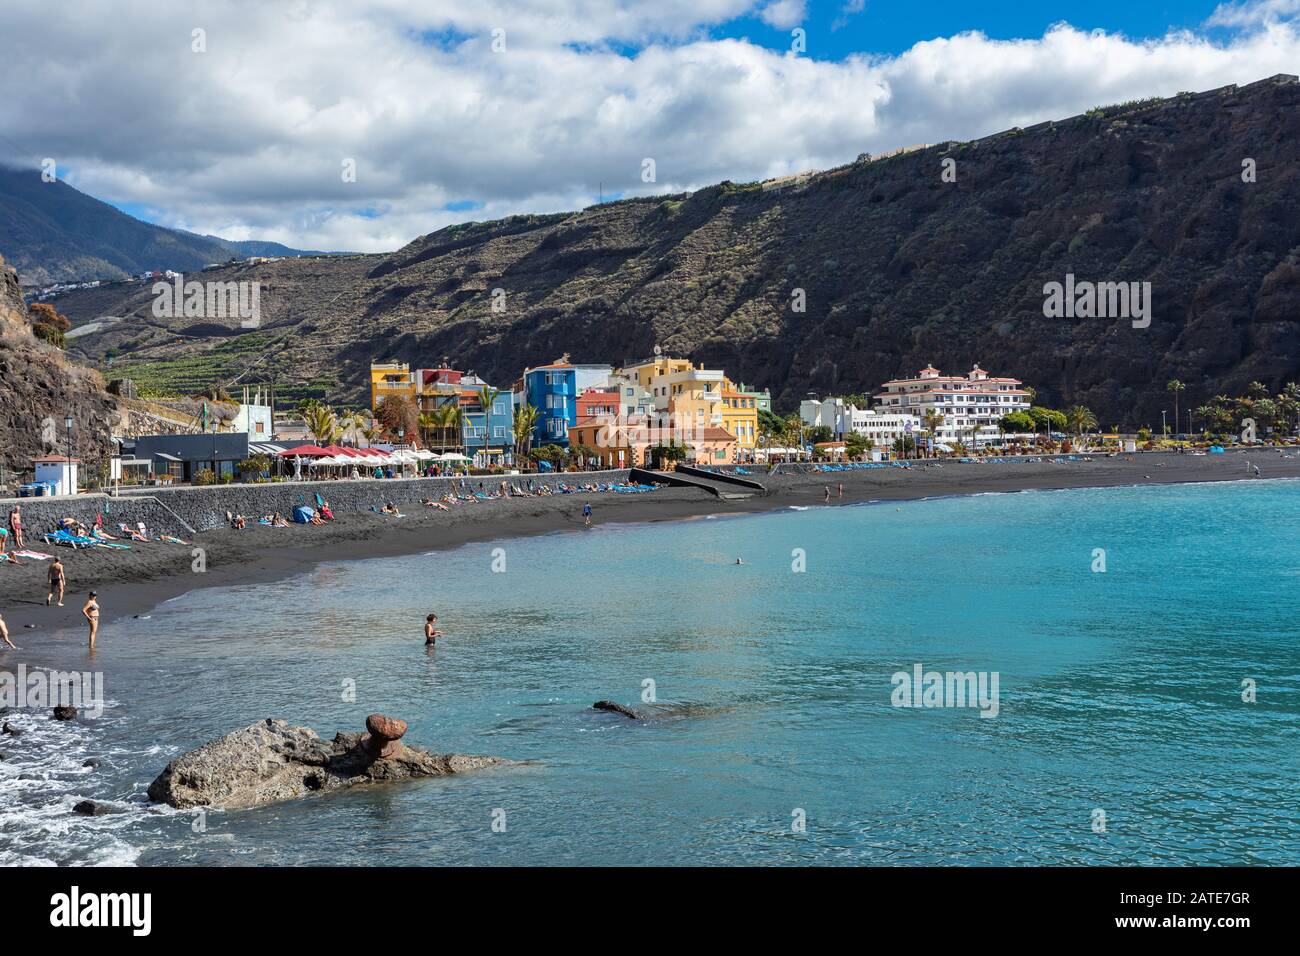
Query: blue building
{"type": "Point", "coordinates": [553, 391]}
{"type": "Point", "coordinates": [488, 433]}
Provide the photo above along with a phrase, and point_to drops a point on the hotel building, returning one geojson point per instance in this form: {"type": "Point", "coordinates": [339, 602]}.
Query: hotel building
{"type": "Point", "coordinates": [963, 408]}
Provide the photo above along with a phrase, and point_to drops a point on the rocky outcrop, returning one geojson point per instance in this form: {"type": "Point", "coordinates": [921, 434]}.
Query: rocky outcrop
{"type": "Point", "coordinates": [38, 387]}
{"type": "Point", "coordinates": [270, 761]}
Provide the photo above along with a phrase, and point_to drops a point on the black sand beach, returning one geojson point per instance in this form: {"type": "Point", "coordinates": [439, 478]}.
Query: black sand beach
{"type": "Point", "coordinates": [131, 582]}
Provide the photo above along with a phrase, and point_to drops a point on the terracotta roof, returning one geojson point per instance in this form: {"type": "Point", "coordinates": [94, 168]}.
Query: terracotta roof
{"type": "Point", "coordinates": [718, 434]}
{"type": "Point", "coordinates": [52, 458]}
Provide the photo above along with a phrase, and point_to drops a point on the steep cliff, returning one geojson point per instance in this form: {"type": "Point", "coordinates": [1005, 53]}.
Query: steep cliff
{"type": "Point", "coordinates": [38, 389]}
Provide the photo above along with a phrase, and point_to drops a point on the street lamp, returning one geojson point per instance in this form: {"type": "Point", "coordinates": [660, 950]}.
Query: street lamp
{"type": "Point", "coordinates": [1164, 428]}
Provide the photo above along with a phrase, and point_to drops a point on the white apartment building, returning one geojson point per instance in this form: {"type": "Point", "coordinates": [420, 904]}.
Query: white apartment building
{"type": "Point", "coordinates": [970, 405]}
{"type": "Point", "coordinates": [881, 427]}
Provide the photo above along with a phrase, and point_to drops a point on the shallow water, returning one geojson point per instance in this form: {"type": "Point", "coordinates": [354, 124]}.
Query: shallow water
{"type": "Point", "coordinates": [1118, 691]}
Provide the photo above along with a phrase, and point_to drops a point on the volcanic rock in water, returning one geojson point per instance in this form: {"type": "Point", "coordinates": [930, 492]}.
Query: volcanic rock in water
{"type": "Point", "coordinates": [616, 708]}
{"type": "Point", "coordinates": [11, 730]}
{"type": "Point", "coordinates": [91, 808]}
{"type": "Point", "coordinates": [65, 713]}
{"type": "Point", "coordinates": [271, 761]}
{"type": "Point", "coordinates": [92, 763]}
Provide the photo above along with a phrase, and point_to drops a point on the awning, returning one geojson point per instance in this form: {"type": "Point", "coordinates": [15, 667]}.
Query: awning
{"type": "Point", "coordinates": [166, 457]}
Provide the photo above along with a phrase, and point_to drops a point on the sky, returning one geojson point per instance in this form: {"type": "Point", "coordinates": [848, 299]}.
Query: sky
{"type": "Point", "coordinates": [360, 125]}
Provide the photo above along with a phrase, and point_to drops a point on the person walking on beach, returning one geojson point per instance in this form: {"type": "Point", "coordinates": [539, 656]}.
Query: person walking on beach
{"type": "Point", "coordinates": [586, 514]}
{"type": "Point", "coordinates": [91, 613]}
{"type": "Point", "coordinates": [57, 582]}
{"type": "Point", "coordinates": [840, 486]}
{"type": "Point", "coordinates": [4, 635]}
{"type": "Point", "coordinates": [828, 494]}
{"type": "Point", "coordinates": [16, 525]}
{"type": "Point", "coordinates": [431, 632]}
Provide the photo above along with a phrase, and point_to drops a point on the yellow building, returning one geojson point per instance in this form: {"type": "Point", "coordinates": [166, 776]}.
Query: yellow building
{"type": "Point", "coordinates": [696, 400]}
{"type": "Point", "coordinates": [740, 417]}
{"type": "Point", "coordinates": [390, 378]}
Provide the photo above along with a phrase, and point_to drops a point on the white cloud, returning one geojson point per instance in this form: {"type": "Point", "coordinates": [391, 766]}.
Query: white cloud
{"type": "Point", "coordinates": [247, 140]}
{"type": "Point", "coordinates": [1253, 12]}
{"type": "Point", "coordinates": [783, 14]}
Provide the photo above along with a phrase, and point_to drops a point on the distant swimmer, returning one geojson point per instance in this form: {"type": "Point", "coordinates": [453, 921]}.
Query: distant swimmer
{"type": "Point", "coordinates": [739, 561]}
{"type": "Point", "coordinates": [431, 632]}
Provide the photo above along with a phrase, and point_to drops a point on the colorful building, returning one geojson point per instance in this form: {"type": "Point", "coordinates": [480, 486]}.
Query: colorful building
{"type": "Point", "coordinates": [552, 390]}
{"type": "Point", "coordinates": [740, 418]}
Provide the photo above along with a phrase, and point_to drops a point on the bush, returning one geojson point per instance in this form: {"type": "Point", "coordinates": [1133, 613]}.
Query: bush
{"type": "Point", "coordinates": [48, 333]}
{"type": "Point", "coordinates": [204, 477]}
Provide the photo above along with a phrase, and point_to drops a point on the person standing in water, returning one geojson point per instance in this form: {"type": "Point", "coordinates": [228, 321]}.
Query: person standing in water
{"type": "Point", "coordinates": [57, 582]}
{"type": "Point", "coordinates": [431, 632]}
{"type": "Point", "coordinates": [91, 612]}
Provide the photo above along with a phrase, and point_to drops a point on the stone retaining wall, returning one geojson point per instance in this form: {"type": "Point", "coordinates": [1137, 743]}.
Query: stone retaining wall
{"type": "Point", "coordinates": [183, 511]}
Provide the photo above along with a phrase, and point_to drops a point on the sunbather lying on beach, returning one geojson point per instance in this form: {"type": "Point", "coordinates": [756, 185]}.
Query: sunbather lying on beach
{"type": "Point", "coordinates": [135, 535]}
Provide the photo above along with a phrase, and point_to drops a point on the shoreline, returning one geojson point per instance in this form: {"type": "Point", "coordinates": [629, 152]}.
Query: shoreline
{"type": "Point", "coordinates": [136, 581]}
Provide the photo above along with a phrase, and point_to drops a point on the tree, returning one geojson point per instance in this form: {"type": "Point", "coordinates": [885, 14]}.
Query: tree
{"type": "Point", "coordinates": [819, 433]}
{"type": "Point", "coordinates": [660, 454]}
{"type": "Point", "coordinates": [323, 425]}
{"type": "Point", "coordinates": [398, 414]}
{"type": "Point", "coordinates": [855, 445]}
{"type": "Point", "coordinates": [904, 444]}
{"type": "Point", "coordinates": [1080, 419]}
{"type": "Point", "coordinates": [1017, 422]}
{"type": "Point", "coordinates": [933, 422]}
{"type": "Point", "coordinates": [47, 324]}
{"type": "Point", "coordinates": [524, 421]}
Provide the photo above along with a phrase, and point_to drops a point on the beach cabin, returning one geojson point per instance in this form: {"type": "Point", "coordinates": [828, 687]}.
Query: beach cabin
{"type": "Point", "coordinates": [58, 472]}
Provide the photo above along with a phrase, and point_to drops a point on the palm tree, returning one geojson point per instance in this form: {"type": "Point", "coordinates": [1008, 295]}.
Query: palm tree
{"type": "Point", "coordinates": [487, 398]}
{"type": "Point", "coordinates": [525, 419]}
{"type": "Point", "coordinates": [370, 433]}
{"type": "Point", "coordinates": [323, 424]}
{"type": "Point", "coordinates": [1175, 386]}
{"type": "Point", "coordinates": [456, 422]}
{"type": "Point", "coordinates": [1080, 419]}
{"type": "Point", "coordinates": [443, 422]}
{"type": "Point", "coordinates": [933, 422]}
{"type": "Point", "coordinates": [428, 422]}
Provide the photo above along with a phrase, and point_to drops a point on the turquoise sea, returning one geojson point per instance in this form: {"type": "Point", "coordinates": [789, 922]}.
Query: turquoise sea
{"type": "Point", "coordinates": [1119, 691]}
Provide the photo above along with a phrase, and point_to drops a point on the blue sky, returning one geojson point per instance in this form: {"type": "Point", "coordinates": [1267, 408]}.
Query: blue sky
{"type": "Point", "coordinates": [891, 27]}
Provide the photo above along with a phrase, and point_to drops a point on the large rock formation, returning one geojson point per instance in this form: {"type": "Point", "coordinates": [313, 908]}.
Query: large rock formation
{"type": "Point", "coordinates": [271, 761]}
{"type": "Point", "coordinates": [38, 388]}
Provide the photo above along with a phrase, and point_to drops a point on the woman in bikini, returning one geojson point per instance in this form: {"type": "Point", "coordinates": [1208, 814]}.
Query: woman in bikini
{"type": "Point", "coordinates": [91, 612]}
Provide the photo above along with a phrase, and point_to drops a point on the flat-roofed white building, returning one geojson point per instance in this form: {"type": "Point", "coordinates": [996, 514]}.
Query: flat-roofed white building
{"type": "Point", "coordinates": [965, 408]}
{"type": "Point", "coordinates": [881, 427]}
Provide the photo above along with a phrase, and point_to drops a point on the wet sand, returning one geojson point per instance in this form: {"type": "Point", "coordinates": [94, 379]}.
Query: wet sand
{"type": "Point", "coordinates": [132, 582]}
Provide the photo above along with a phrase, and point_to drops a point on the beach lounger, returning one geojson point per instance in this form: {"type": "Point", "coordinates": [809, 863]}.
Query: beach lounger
{"type": "Point", "coordinates": [68, 538]}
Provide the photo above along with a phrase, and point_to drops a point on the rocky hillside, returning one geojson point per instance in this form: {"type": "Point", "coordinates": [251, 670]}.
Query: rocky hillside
{"type": "Point", "coordinates": [52, 233]}
{"type": "Point", "coordinates": [38, 388]}
{"type": "Point", "coordinates": [898, 267]}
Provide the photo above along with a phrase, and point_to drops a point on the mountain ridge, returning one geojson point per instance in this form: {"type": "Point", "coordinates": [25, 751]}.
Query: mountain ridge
{"type": "Point", "coordinates": [52, 232]}
{"type": "Point", "coordinates": [899, 268]}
